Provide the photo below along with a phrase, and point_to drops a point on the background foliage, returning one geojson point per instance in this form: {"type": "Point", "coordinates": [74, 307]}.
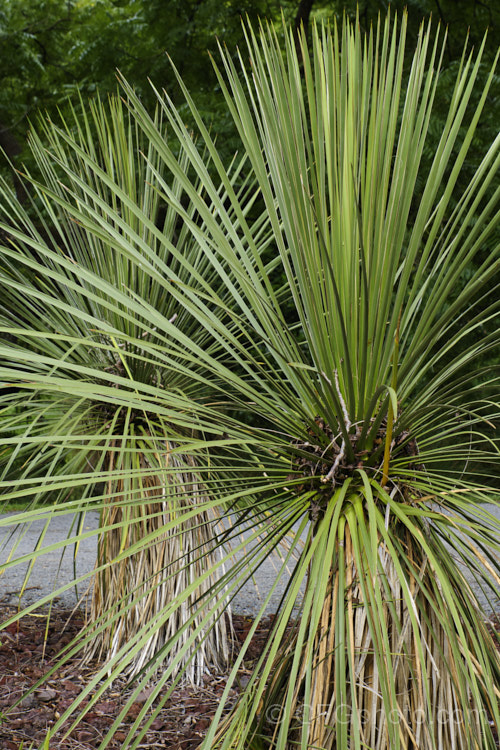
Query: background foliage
{"type": "Point", "coordinates": [52, 49]}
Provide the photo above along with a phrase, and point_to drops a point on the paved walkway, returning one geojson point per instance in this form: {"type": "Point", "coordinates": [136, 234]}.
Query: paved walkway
{"type": "Point", "coordinates": [50, 571]}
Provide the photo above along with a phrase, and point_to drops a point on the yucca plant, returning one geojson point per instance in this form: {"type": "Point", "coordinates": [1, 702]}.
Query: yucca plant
{"type": "Point", "coordinates": [67, 303]}
{"type": "Point", "coordinates": [350, 411]}
{"type": "Point", "coordinates": [369, 403]}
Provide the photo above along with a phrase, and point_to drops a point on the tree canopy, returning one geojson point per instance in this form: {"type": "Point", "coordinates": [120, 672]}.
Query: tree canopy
{"type": "Point", "coordinates": [54, 49]}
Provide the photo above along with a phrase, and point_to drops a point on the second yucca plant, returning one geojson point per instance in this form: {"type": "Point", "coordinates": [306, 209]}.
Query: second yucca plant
{"type": "Point", "coordinates": [61, 284]}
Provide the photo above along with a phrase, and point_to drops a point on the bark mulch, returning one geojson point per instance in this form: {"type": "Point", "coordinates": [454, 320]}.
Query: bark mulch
{"type": "Point", "coordinates": [28, 651]}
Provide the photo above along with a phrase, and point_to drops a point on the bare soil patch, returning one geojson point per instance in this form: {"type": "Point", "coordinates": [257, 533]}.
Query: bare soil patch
{"type": "Point", "coordinates": [28, 651]}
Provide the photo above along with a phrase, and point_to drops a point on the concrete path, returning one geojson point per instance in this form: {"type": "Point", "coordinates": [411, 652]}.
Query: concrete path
{"type": "Point", "coordinates": [50, 571]}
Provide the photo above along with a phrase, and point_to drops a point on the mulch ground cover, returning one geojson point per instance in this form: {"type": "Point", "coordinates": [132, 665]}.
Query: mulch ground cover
{"type": "Point", "coordinates": [29, 649]}
{"type": "Point", "coordinates": [27, 652]}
